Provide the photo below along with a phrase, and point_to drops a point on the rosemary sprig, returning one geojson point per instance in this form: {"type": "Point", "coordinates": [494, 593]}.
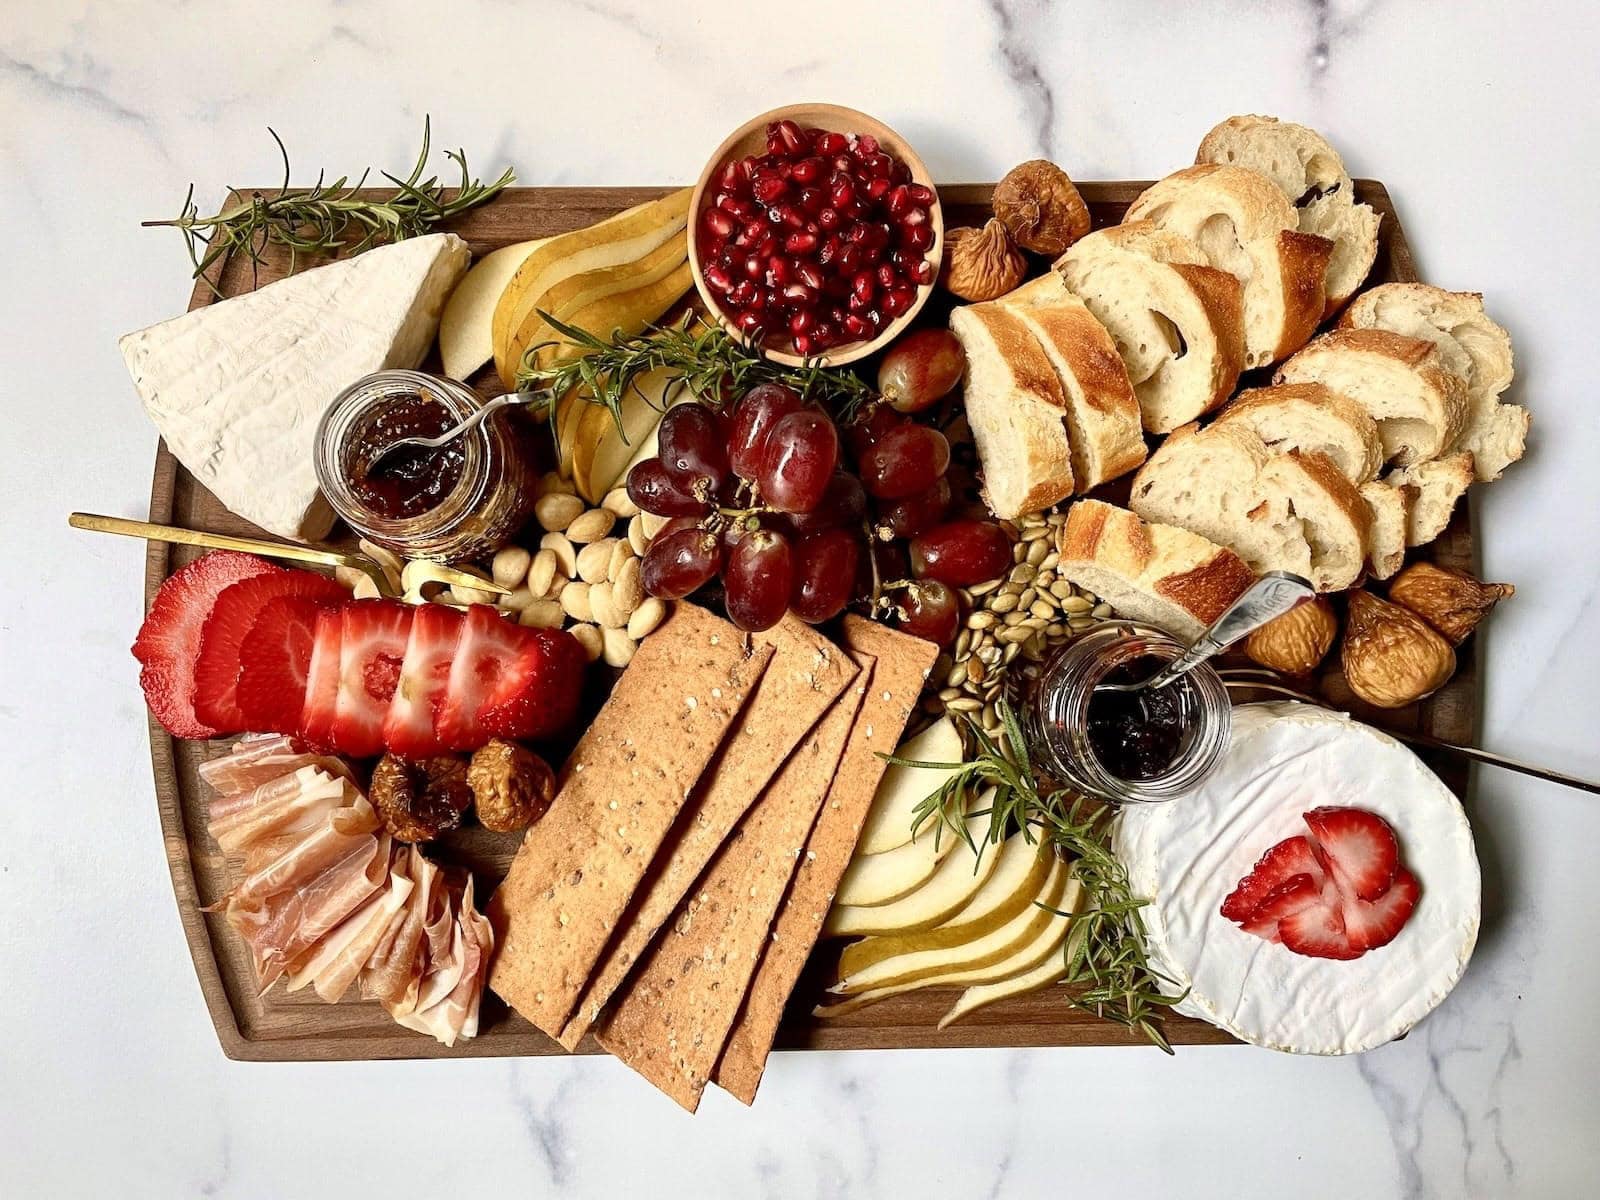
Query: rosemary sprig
{"type": "Point", "coordinates": [697, 352]}
{"type": "Point", "coordinates": [1108, 972]}
{"type": "Point", "coordinates": [327, 217]}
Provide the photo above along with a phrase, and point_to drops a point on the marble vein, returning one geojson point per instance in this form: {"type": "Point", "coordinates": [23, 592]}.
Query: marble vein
{"type": "Point", "coordinates": [1018, 35]}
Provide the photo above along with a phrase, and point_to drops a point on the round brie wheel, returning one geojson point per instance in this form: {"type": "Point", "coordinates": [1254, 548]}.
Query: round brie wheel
{"type": "Point", "coordinates": [1188, 854]}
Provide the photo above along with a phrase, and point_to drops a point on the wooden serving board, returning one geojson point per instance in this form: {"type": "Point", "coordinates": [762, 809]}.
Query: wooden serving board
{"type": "Point", "coordinates": [277, 1026]}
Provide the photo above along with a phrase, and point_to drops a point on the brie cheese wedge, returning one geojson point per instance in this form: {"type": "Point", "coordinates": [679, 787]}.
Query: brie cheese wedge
{"type": "Point", "coordinates": [1188, 854]}
{"type": "Point", "coordinates": [237, 387]}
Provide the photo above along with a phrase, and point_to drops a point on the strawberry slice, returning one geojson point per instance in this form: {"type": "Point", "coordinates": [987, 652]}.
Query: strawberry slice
{"type": "Point", "coordinates": [537, 692]}
{"type": "Point", "coordinates": [488, 642]}
{"type": "Point", "coordinates": [1317, 931]}
{"type": "Point", "coordinates": [1289, 858]}
{"type": "Point", "coordinates": [169, 640]}
{"type": "Point", "coordinates": [408, 727]}
{"type": "Point", "coordinates": [1356, 848]}
{"type": "Point", "coordinates": [372, 645]}
{"type": "Point", "coordinates": [1295, 893]}
{"type": "Point", "coordinates": [216, 670]}
{"type": "Point", "coordinates": [274, 662]}
{"type": "Point", "coordinates": [1370, 924]}
{"type": "Point", "coordinates": [322, 679]}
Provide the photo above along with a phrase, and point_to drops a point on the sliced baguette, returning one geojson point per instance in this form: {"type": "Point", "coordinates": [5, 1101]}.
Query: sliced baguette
{"type": "Point", "coordinates": [1311, 417]}
{"type": "Point", "coordinates": [1311, 174]}
{"type": "Point", "coordinates": [1102, 413]}
{"type": "Point", "coordinates": [1471, 345]}
{"type": "Point", "coordinates": [1016, 409]}
{"type": "Point", "coordinates": [1178, 324]}
{"type": "Point", "coordinates": [1245, 226]}
{"type": "Point", "coordinates": [1279, 512]}
{"type": "Point", "coordinates": [1390, 508]}
{"type": "Point", "coordinates": [1433, 488]}
{"type": "Point", "coordinates": [1419, 405]}
{"type": "Point", "coordinates": [1159, 574]}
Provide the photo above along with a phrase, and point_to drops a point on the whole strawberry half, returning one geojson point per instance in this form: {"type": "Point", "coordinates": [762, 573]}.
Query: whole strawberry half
{"type": "Point", "coordinates": [168, 644]}
{"type": "Point", "coordinates": [508, 681]}
{"type": "Point", "coordinates": [233, 615]}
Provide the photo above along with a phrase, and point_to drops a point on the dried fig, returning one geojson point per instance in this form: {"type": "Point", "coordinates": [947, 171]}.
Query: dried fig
{"type": "Point", "coordinates": [1453, 602]}
{"type": "Point", "coordinates": [1297, 641]}
{"type": "Point", "coordinates": [981, 264]}
{"type": "Point", "coordinates": [418, 800]}
{"type": "Point", "coordinates": [1390, 655]}
{"type": "Point", "coordinates": [1040, 207]}
{"type": "Point", "coordinates": [512, 785]}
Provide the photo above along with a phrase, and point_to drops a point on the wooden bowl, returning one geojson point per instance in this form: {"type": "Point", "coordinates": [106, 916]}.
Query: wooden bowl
{"type": "Point", "coordinates": [751, 138]}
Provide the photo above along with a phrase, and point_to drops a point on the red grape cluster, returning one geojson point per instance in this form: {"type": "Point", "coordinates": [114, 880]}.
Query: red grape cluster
{"type": "Point", "coordinates": [760, 492]}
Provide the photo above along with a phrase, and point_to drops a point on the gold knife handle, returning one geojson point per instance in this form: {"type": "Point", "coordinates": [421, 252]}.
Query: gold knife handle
{"type": "Point", "coordinates": [96, 523]}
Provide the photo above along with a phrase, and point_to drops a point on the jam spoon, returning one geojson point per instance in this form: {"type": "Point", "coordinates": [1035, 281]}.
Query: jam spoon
{"type": "Point", "coordinates": [449, 435]}
{"type": "Point", "coordinates": [1268, 598]}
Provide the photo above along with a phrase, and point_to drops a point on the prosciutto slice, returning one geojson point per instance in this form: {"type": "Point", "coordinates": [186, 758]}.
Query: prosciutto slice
{"type": "Point", "coordinates": [325, 898]}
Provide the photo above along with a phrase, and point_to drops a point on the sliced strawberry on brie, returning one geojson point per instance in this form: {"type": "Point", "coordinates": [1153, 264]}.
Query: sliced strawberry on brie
{"type": "Point", "coordinates": [1289, 858]}
{"type": "Point", "coordinates": [1317, 931]}
{"type": "Point", "coordinates": [1294, 894]}
{"type": "Point", "coordinates": [168, 644]}
{"type": "Point", "coordinates": [274, 663]}
{"type": "Point", "coordinates": [1356, 847]}
{"type": "Point", "coordinates": [217, 669]}
{"type": "Point", "coordinates": [1370, 924]}
{"type": "Point", "coordinates": [372, 645]}
{"type": "Point", "coordinates": [408, 727]}
{"type": "Point", "coordinates": [322, 679]}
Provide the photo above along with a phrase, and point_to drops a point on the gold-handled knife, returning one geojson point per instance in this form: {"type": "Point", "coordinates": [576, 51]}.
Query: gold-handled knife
{"type": "Point", "coordinates": [96, 523]}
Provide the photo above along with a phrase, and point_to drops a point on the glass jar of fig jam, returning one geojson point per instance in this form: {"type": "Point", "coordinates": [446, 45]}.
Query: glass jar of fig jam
{"type": "Point", "coordinates": [1141, 746]}
{"type": "Point", "coordinates": [461, 500]}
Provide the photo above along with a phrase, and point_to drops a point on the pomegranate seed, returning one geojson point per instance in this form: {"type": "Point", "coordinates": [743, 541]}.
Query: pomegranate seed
{"type": "Point", "coordinates": [719, 223]}
{"type": "Point", "coordinates": [823, 335]}
{"type": "Point", "coordinates": [921, 272]}
{"type": "Point", "coordinates": [813, 199]}
{"type": "Point", "coordinates": [843, 193]}
{"type": "Point", "coordinates": [800, 243]}
{"type": "Point", "coordinates": [877, 188]}
{"type": "Point", "coordinates": [857, 327]}
{"type": "Point", "coordinates": [804, 346]}
{"type": "Point", "coordinates": [775, 146]}
{"type": "Point", "coordinates": [831, 144]}
{"type": "Point", "coordinates": [778, 270]}
{"type": "Point", "coordinates": [879, 166]}
{"type": "Point", "coordinates": [801, 295]}
{"type": "Point", "coordinates": [915, 216]}
{"type": "Point", "coordinates": [728, 179]}
{"type": "Point", "coordinates": [748, 323]}
{"type": "Point", "coordinates": [900, 173]}
{"type": "Point", "coordinates": [866, 146]}
{"type": "Point", "coordinates": [856, 304]}
{"type": "Point", "coordinates": [899, 200]}
{"type": "Point", "coordinates": [744, 295]}
{"type": "Point", "coordinates": [920, 195]}
{"type": "Point", "coordinates": [917, 237]}
{"type": "Point", "coordinates": [863, 285]}
{"type": "Point", "coordinates": [791, 216]}
{"type": "Point", "coordinates": [886, 275]}
{"type": "Point", "coordinates": [810, 275]}
{"type": "Point", "coordinates": [754, 267]}
{"type": "Point", "coordinates": [801, 321]}
{"type": "Point", "coordinates": [829, 218]}
{"type": "Point", "coordinates": [718, 278]}
{"type": "Point", "coordinates": [807, 170]}
{"type": "Point", "coordinates": [844, 164]}
{"type": "Point", "coordinates": [898, 301]}
{"type": "Point", "coordinates": [849, 259]}
{"type": "Point", "coordinates": [793, 139]}
{"type": "Point", "coordinates": [770, 187]}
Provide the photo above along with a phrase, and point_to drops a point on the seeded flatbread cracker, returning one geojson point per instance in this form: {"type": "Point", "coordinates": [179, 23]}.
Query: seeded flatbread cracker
{"type": "Point", "coordinates": [671, 1018]}
{"type": "Point", "coordinates": [805, 676]}
{"type": "Point", "coordinates": [903, 663]}
{"type": "Point", "coordinates": [627, 779]}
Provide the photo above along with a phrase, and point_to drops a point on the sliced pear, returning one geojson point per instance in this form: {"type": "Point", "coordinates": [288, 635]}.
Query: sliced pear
{"type": "Point", "coordinates": [567, 299]}
{"type": "Point", "coordinates": [1048, 971]}
{"type": "Point", "coordinates": [622, 238]}
{"type": "Point", "coordinates": [881, 878]}
{"type": "Point", "coordinates": [569, 413]}
{"type": "Point", "coordinates": [642, 408]}
{"type": "Point", "coordinates": [901, 789]}
{"type": "Point", "coordinates": [466, 326]}
{"type": "Point", "coordinates": [1018, 875]}
{"type": "Point", "coordinates": [624, 313]}
{"type": "Point", "coordinates": [999, 945]}
{"type": "Point", "coordinates": [1042, 948]}
{"type": "Point", "coordinates": [946, 893]}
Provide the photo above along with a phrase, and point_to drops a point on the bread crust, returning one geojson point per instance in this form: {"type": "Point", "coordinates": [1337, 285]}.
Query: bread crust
{"type": "Point", "coordinates": [1248, 405]}
{"type": "Point", "coordinates": [1223, 298]}
{"type": "Point", "coordinates": [1303, 261]}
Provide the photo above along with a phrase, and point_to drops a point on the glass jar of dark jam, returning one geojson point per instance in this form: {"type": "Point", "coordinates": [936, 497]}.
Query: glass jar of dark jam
{"type": "Point", "coordinates": [1126, 746]}
{"type": "Point", "coordinates": [462, 500]}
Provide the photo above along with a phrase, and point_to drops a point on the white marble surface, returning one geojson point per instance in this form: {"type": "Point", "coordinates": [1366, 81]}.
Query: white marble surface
{"type": "Point", "coordinates": [1486, 128]}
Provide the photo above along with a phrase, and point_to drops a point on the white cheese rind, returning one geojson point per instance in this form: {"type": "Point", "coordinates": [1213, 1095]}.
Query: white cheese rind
{"type": "Point", "coordinates": [237, 387]}
{"type": "Point", "coordinates": [1187, 856]}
